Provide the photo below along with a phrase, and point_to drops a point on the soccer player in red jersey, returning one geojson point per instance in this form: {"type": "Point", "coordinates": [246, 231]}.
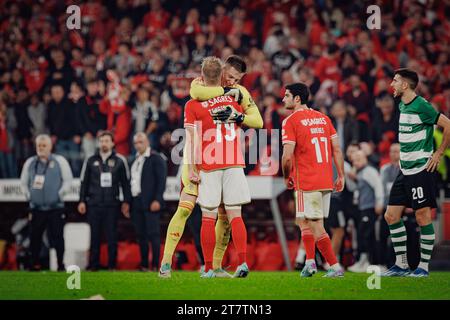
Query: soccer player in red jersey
{"type": "Point", "coordinates": [310, 143]}
{"type": "Point", "coordinates": [215, 161]}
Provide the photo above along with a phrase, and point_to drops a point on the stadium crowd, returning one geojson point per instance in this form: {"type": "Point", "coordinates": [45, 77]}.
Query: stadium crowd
{"type": "Point", "coordinates": [146, 53]}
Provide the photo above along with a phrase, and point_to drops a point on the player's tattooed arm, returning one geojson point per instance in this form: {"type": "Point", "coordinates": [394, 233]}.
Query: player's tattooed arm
{"type": "Point", "coordinates": [339, 163]}
{"type": "Point", "coordinates": [444, 123]}
{"type": "Point", "coordinates": [286, 164]}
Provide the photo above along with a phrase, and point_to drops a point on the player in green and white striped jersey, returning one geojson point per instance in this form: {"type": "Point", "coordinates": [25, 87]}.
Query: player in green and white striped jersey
{"type": "Point", "coordinates": [415, 185]}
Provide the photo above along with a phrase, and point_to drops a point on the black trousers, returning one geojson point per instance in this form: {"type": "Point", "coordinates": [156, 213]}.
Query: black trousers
{"type": "Point", "coordinates": [103, 218]}
{"type": "Point", "coordinates": [53, 221]}
{"type": "Point", "coordinates": [147, 226]}
{"type": "Point", "coordinates": [366, 233]}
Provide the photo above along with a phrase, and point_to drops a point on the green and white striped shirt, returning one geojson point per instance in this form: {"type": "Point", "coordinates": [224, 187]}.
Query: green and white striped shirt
{"type": "Point", "coordinates": [417, 120]}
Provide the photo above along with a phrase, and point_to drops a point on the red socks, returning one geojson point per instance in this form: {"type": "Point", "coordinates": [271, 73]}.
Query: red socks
{"type": "Point", "coordinates": [208, 240]}
{"type": "Point", "coordinates": [325, 248]}
{"type": "Point", "coordinates": [309, 243]}
{"type": "Point", "coordinates": [239, 234]}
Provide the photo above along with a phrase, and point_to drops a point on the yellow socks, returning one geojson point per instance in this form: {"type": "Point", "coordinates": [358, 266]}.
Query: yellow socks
{"type": "Point", "coordinates": [175, 229]}
{"type": "Point", "coordinates": [223, 231]}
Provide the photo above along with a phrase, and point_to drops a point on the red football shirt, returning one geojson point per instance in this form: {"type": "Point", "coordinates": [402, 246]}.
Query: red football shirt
{"type": "Point", "coordinates": [220, 143]}
{"type": "Point", "coordinates": [311, 133]}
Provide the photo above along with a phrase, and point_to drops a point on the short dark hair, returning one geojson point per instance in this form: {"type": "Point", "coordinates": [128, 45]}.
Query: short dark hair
{"type": "Point", "coordinates": [237, 62]}
{"type": "Point", "coordinates": [57, 84]}
{"type": "Point", "coordinates": [411, 76]}
{"type": "Point", "coordinates": [299, 89]}
{"type": "Point", "coordinates": [105, 133]}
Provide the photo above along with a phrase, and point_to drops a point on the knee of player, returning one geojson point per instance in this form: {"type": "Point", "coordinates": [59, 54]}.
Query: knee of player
{"type": "Point", "coordinates": [423, 216]}
{"type": "Point", "coordinates": [233, 212]}
{"type": "Point", "coordinates": [209, 212]}
{"type": "Point", "coordinates": [338, 232]}
{"type": "Point", "coordinates": [389, 217]}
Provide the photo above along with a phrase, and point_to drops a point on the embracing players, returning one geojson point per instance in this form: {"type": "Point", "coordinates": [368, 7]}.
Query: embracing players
{"type": "Point", "coordinates": [310, 143]}
{"type": "Point", "coordinates": [233, 71]}
{"type": "Point", "coordinates": [215, 161]}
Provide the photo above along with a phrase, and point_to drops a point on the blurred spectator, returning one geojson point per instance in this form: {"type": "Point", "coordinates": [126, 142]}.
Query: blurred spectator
{"type": "Point", "coordinates": [123, 62]}
{"type": "Point", "coordinates": [358, 98]}
{"type": "Point", "coordinates": [388, 173]}
{"type": "Point", "coordinates": [220, 22]}
{"type": "Point", "coordinates": [385, 126]}
{"type": "Point", "coordinates": [346, 127]}
{"type": "Point", "coordinates": [115, 105]}
{"type": "Point", "coordinates": [370, 204]}
{"type": "Point", "coordinates": [23, 143]}
{"type": "Point", "coordinates": [327, 66]}
{"type": "Point", "coordinates": [201, 49]}
{"type": "Point", "coordinates": [8, 167]}
{"type": "Point", "coordinates": [37, 112]}
{"type": "Point", "coordinates": [60, 70]}
{"type": "Point", "coordinates": [91, 120]}
{"type": "Point", "coordinates": [64, 128]}
{"type": "Point", "coordinates": [284, 58]}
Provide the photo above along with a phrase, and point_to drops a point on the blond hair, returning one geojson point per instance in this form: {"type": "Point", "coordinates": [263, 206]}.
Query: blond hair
{"type": "Point", "coordinates": [212, 70]}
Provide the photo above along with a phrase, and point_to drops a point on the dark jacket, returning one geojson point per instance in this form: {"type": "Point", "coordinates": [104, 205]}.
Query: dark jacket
{"type": "Point", "coordinates": [153, 179]}
{"type": "Point", "coordinates": [62, 119]}
{"type": "Point", "coordinates": [90, 118]}
{"type": "Point", "coordinates": [92, 193]}
{"type": "Point", "coordinates": [351, 131]}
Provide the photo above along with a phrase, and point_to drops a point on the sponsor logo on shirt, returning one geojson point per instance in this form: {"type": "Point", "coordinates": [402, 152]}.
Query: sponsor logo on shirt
{"type": "Point", "coordinates": [220, 99]}
{"type": "Point", "coordinates": [313, 122]}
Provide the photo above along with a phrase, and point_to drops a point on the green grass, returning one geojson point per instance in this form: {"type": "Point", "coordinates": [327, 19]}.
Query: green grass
{"type": "Point", "coordinates": [188, 286]}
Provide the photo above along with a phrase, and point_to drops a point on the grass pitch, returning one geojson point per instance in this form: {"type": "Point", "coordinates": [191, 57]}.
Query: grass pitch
{"type": "Point", "coordinates": [188, 286]}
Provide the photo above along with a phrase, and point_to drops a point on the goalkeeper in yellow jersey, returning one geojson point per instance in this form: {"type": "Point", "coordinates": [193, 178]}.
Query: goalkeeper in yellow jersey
{"type": "Point", "coordinates": [233, 71]}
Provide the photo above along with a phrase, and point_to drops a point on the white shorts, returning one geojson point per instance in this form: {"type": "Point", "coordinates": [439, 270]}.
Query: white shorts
{"type": "Point", "coordinates": [227, 186]}
{"type": "Point", "coordinates": [312, 204]}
